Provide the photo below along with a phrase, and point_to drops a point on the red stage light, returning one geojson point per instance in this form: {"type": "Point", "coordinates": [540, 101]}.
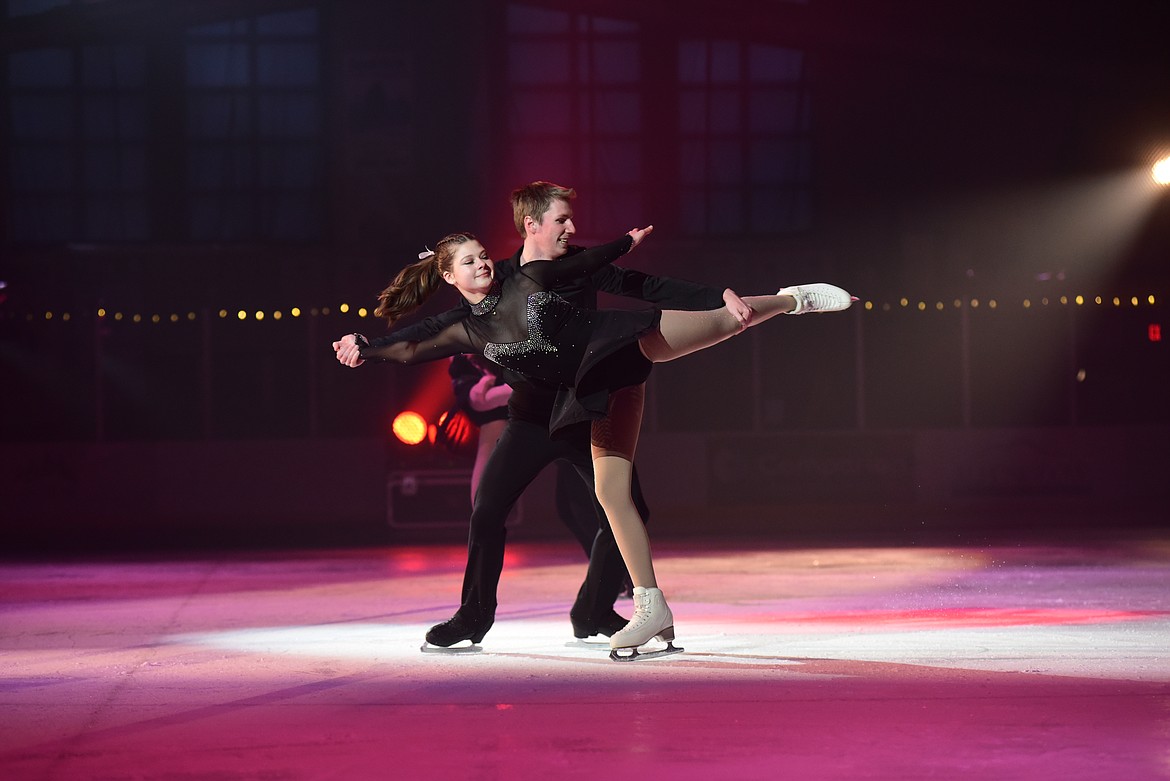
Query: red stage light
{"type": "Point", "coordinates": [410, 427]}
{"type": "Point", "coordinates": [457, 429]}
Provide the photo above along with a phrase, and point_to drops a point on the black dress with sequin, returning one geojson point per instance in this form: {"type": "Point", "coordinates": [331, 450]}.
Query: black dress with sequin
{"type": "Point", "coordinates": [524, 326]}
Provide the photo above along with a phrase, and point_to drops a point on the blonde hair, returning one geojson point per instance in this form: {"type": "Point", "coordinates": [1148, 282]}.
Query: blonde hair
{"type": "Point", "coordinates": [415, 283]}
{"type": "Point", "coordinates": [533, 200]}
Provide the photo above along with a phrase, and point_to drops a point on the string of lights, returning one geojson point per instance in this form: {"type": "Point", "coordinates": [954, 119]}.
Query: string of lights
{"type": "Point", "coordinates": [1025, 303]}
{"type": "Point", "coordinates": [258, 315]}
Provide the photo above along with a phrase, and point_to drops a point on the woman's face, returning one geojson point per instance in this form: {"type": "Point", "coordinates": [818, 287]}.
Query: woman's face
{"type": "Point", "coordinates": [472, 271]}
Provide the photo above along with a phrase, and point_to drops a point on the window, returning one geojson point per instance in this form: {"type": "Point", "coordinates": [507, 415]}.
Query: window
{"type": "Point", "coordinates": [575, 110]}
{"type": "Point", "coordinates": [744, 163]}
{"type": "Point", "coordinates": [31, 7]}
{"type": "Point", "coordinates": [98, 150]}
{"type": "Point", "coordinates": [732, 139]}
{"type": "Point", "coordinates": [254, 166]}
{"type": "Point", "coordinates": [77, 157]}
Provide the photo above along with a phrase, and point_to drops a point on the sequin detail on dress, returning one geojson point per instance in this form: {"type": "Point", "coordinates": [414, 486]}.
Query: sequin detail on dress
{"type": "Point", "coordinates": [489, 301]}
{"type": "Point", "coordinates": [537, 341]}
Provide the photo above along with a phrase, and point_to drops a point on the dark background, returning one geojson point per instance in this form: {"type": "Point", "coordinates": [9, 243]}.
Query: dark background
{"type": "Point", "coordinates": [179, 176]}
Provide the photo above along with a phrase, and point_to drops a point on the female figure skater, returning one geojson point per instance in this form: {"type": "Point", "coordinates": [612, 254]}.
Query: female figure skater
{"type": "Point", "coordinates": [600, 359]}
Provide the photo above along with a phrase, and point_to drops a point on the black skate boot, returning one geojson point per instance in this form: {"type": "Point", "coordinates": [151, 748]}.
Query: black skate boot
{"type": "Point", "coordinates": [588, 626]}
{"type": "Point", "coordinates": [458, 628]}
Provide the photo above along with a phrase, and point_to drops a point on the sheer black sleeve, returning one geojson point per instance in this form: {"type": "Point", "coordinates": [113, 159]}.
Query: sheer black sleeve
{"type": "Point", "coordinates": [424, 329]}
{"type": "Point", "coordinates": [452, 340]}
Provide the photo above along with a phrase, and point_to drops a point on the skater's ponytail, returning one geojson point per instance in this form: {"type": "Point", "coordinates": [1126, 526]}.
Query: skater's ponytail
{"type": "Point", "coordinates": [415, 283]}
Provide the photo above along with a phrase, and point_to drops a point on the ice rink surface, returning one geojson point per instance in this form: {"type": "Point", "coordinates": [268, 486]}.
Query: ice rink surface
{"type": "Point", "coordinates": [1015, 661]}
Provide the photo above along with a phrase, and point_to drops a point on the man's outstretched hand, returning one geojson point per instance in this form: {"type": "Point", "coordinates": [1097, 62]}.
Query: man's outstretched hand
{"type": "Point", "coordinates": [640, 233]}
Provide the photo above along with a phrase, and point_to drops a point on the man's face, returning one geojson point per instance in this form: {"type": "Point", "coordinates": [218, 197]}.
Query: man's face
{"type": "Point", "coordinates": [550, 237]}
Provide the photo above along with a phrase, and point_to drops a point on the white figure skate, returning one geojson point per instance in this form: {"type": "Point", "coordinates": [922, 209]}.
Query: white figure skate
{"type": "Point", "coordinates": [817, 297]}
{"type": "Point", "coordinates": [652, 620]}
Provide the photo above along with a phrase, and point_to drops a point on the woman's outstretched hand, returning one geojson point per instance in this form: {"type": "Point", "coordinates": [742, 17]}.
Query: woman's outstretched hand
{"type": "Point", "coordinates": [347, 351]}
{"type": "Point", "coordinates": [738, 308]}
{"type": "Point", "coordinates": [640, 233]}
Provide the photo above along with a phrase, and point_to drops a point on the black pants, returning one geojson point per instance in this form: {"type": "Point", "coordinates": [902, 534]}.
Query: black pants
{"type": "Point", "coordinates": [523, 450]}
{"type": "Point", "coordinates": [574, 500]}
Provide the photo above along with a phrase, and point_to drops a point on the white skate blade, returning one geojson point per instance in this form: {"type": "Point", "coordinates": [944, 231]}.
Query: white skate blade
{"type": "Point", "coordinates": [635, 655]}
{"type": "Point", "coordinates": [427, 648]}
{"type": "Point", "coordinates": [601, 642]}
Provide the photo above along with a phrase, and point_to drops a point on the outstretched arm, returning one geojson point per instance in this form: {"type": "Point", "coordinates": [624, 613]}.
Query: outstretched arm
{"type": "Point", "coordinates": [582, 264]}
{"type": "Point", "coordinates": [354, 349]}
{"type": "Point", "coordinates": [425, 328]}
{"type": "Point", "coordinates": [667, 292]}
{"type": "Point", "coordinates": [670, 293]}
{"type": "Point", "coordinates": [346, 348]}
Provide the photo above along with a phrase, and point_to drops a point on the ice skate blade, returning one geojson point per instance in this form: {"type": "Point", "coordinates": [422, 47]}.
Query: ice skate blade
{"type": "Point", "coordinates": [589, 642]}
{"type": "Point", "coordinates": [636, 656]}
{"type": "Point", "coordinates": [427, 648]}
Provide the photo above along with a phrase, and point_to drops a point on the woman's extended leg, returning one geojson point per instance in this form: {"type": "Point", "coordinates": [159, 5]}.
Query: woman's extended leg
{"type": "Point", "coordinates": [682, 333]}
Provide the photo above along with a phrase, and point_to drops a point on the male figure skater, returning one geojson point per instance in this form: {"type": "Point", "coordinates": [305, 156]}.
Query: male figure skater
{"type": "Point", "coordinates": [543, 216]}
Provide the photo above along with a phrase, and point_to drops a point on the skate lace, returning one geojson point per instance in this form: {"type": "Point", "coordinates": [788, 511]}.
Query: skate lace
{"type": "Point", "coordinates": [641, 613]}
{"type": "Point", "coordinates": [818, 300]}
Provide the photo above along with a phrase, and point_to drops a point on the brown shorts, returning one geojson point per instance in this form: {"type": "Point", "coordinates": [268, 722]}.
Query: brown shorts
{"type": "Point", "coordinates": [617, 433]}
